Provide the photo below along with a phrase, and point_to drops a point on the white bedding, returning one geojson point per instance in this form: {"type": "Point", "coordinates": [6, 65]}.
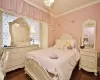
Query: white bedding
{"type": "Point", "coordinates": [63, 66]}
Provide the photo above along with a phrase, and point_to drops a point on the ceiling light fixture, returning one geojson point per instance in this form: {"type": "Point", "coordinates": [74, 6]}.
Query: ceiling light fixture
{"type": "Point", "coordinates": [48, 3]}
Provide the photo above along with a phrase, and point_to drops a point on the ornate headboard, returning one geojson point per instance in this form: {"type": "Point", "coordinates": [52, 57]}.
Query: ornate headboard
{"type": "Point", "coordinates": [66, 37]}
{"type": "Point", "coordinates": [20, 32]}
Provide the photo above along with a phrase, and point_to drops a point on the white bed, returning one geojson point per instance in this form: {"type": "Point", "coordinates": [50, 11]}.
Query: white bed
{"type": "Point", "coordinates": [61, 67]}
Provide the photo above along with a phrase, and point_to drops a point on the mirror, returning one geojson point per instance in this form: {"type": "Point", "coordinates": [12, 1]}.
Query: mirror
{"type": "Point", "coordinates": [89, 34]}
{"type": "Point", "coordinates": [20, 33]}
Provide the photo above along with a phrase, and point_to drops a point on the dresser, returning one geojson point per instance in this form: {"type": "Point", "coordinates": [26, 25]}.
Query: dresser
{"type": "Point", "coordinates": [88, 61]}
{"type": "Point", "coordinates": [1, 76]}
{"type": "Point", "coordinates": [17, 55]}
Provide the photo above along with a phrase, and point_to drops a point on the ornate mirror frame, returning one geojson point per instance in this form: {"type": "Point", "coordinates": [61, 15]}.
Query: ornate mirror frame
{"type": "Point", "coordinates": [89, 23]}
{"type": "Point", "coordinates": [21, 26]}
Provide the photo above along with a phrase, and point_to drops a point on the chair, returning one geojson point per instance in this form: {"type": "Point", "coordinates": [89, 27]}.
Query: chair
{"type": "Point", "coordinates": [3, 64]}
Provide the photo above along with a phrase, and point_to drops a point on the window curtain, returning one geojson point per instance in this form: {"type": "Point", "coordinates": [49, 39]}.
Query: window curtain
{"type": "Point", "coordinates": [23, 8]}
{"type": "Point", "coordinates": [34, 26]}
{"type": "Point", "coordinates": [5, 26]}
{"type": "Point", "coordinates": [0, 29]}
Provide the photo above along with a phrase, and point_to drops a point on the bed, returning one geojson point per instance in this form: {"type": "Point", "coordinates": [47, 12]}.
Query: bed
{"type": "Point", "coordinates": [52, 63]}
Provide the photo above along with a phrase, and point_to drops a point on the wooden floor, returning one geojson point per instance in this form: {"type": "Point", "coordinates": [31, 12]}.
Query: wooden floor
{"type": "Point", "coordinates": [76, 75]}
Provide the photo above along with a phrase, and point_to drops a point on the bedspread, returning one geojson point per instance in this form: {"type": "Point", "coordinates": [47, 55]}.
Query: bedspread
{"type": "Point", "coordinates": [62, 66]}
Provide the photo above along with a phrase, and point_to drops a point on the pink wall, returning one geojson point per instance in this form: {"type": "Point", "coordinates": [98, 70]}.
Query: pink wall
{"type": "Point", "coordinates": [51, 29]}
{"type": "Point", "coordinates": [72, 22]}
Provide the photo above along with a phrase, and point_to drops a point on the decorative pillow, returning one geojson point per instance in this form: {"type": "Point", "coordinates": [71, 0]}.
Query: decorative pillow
{"type": "Point", "coordinates": [68, 45]}
{"type": "Point", "coordinates": [73, 43]}
{"type": "Point", "coordinates": [60, 43]}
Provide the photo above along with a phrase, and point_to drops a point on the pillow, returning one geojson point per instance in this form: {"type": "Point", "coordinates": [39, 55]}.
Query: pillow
{"type": "Point", "coordinates": [68, 45]}
{"type": "Point", "coordinates": [60, 43]}
{"type": "Point", "coordinates": [73, 43]}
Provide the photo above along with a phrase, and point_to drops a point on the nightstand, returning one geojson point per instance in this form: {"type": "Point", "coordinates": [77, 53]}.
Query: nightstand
{"type": "Point", "coordinates": [88, 61]}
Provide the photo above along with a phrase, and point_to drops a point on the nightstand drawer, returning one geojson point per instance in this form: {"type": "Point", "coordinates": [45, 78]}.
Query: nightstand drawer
{"type": "Point", "coordinates": [86, 53]}
{"type": "Point", "coordinates": [15, 62]}
{"type": "Point", "coordinates": [88, 64]}
{"type": "Point", "coordinates": [89, 58]}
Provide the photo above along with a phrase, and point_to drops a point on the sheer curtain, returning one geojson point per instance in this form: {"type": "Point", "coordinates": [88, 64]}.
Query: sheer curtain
{"type": "Point", "coordinates": [35, 26]}
{"type": "Point", "coordinates": [6, 35]}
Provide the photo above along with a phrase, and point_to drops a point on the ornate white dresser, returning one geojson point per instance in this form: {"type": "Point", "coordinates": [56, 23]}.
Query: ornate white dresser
{"type": "Point", "coordinates": [17, 56]}
{"type": "Point", "coordinates": [88, 60]}
{"type": "Point", "coordinates": [20, 40]}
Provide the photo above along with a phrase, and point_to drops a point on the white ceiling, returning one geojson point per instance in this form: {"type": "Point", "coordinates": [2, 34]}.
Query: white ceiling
{"type": "Point", "coordinates": [61, 6]}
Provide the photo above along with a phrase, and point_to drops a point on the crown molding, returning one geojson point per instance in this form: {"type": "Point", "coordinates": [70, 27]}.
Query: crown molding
{"type": "Point", "coordinates": [56, 16]}
{"type": "Point", "coordinates": [79, 8]}
{"type": "Point", "coordinates": [33, 4]}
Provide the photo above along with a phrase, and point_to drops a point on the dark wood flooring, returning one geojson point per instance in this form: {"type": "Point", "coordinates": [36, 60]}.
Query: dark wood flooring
{"type": "Point", "coordinates": [76, 75]}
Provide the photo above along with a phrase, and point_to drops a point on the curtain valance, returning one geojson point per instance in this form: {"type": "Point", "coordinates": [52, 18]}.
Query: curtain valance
{"type": "Point", "coordinates": [22, 8]}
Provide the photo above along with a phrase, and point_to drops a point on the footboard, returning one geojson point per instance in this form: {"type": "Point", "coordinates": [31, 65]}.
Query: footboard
{"type": "Point", "coordinates": [35, 70]}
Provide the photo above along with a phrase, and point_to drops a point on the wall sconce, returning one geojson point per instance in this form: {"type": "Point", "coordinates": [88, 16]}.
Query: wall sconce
{"type": "Point", "coordinates": [59, 25]}
{"type": "Point", "coordinates": [72, 21]}
{"type": "Point", "coordinates": [53, 29]}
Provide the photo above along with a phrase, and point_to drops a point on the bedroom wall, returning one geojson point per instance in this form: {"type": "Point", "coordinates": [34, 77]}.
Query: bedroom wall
{"type": "Point", "coordinates": [52, 28]}
{"type": "Point", "coordinates": [72, 22]}
{"type": "Point", "coordinates": [22, 8]}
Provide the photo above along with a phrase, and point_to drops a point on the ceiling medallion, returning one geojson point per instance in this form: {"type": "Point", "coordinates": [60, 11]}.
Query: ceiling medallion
{"type": "Point", "coordinates": [48, 3]}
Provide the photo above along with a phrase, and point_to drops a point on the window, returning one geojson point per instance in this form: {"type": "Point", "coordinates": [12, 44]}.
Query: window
{"type": "Point", "coordinates": [34, 25]}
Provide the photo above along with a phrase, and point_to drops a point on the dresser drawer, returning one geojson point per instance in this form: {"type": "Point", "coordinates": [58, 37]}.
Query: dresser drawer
{"type": "Point", "coordinates": [89, 58]}
{"type": "Point", "coordinates": [29, 48]}
{"type": "Point", "coordinates": [14, 50]}
{"type": "Point", "coordinates": [16, 56]}
{"type": "Point", "coordinates": [33, 47]}
{"type": "Point", "coordinates": [88, 64]}
{"type": "Point", "coordinates": [15, 62]}
{"type": "Point", "coordinates": [26, 49]}
{"type": "Point", "coordinates": [23, 49]}
{"type": "Point", "coordinates": [86, 53]}
{"type": "Point", "coordinates": [11, 68]}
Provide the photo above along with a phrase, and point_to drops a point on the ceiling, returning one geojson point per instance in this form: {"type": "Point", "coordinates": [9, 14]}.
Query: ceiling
{"type": "Point", "coordinates": [61, 6]}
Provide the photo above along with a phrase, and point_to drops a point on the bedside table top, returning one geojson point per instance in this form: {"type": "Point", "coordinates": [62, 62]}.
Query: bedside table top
{"type": "Point", "coordinates": [88, 50]}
